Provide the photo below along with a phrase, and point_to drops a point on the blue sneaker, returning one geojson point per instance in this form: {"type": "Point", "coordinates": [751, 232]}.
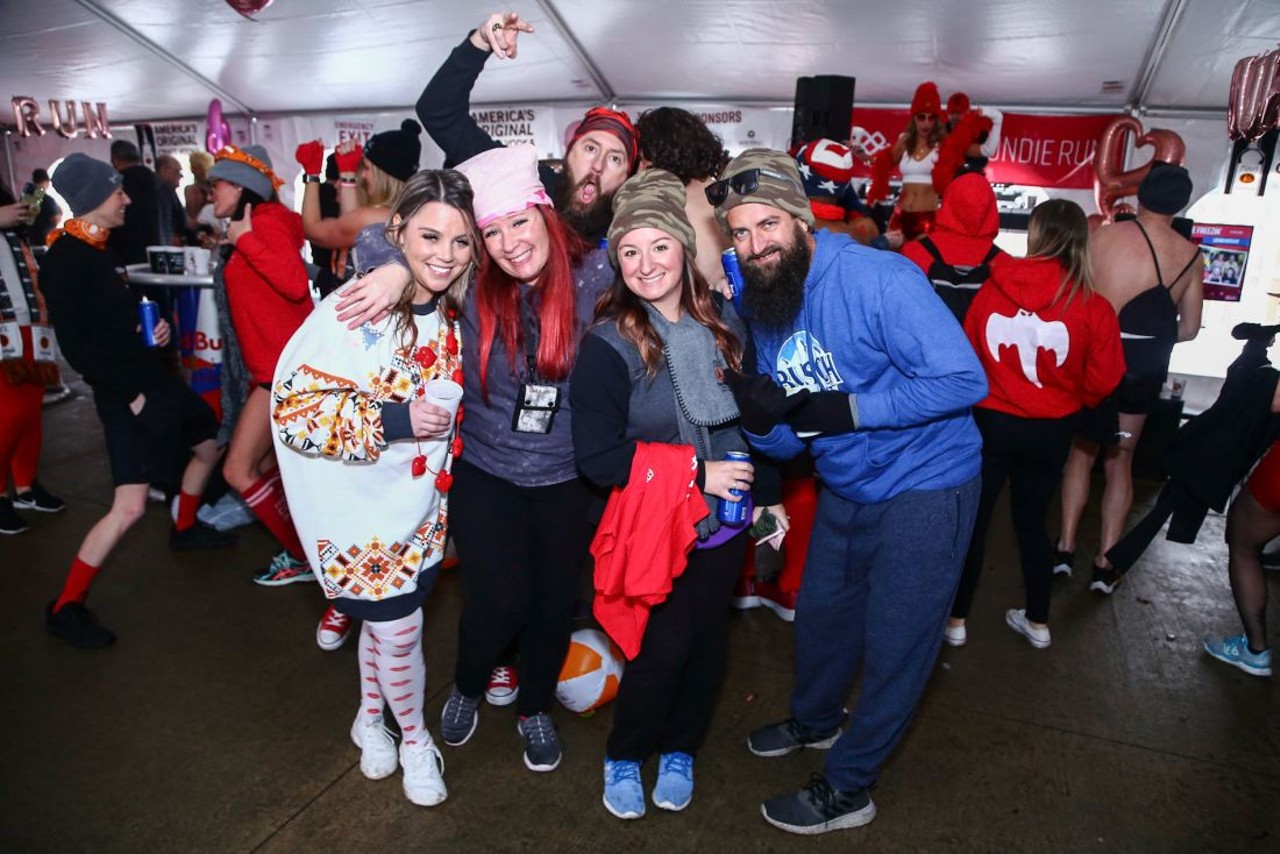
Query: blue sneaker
{"type": "Point", "coordinates": [623, 794]}
{"type": "Point", "coordinates": [1235, 651]}
{"type": "Point", "coordinates": [674, 789]}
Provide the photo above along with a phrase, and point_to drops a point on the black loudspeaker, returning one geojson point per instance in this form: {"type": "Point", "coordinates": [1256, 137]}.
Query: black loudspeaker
{"type": "Point", "coordinates": [823, 108]}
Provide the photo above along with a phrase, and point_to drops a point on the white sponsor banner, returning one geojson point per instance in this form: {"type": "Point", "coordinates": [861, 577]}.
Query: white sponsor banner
{"type": "Point", "coordinates": [178, 137]}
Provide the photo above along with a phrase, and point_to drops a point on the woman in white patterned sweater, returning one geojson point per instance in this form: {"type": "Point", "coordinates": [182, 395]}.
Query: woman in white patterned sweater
{"type": "Point", "coordinates": [366, 460]}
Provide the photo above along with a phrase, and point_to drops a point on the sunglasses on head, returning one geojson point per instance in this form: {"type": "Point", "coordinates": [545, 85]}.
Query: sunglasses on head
{"type": "Point", "coordinates": [743, 183]}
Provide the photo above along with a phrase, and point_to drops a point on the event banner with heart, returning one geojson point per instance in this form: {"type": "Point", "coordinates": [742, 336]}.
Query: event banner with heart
{"type": "Point", "coordinates": [1035, 151]}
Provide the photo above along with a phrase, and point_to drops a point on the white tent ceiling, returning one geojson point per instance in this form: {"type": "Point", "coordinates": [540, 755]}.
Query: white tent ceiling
{"type": "Point", "coordinates": [159, 59]}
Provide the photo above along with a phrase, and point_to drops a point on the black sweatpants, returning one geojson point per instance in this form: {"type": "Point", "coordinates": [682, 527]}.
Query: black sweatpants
{"type": "Point", "coordinates": [522, 550]}
{"type": "Point", "coordinates": [669, 689]}
{"type": "Point", "coordinates": [1029, 453]}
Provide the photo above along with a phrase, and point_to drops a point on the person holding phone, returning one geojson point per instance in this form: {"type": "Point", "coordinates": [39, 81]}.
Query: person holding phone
{"type": "Point", "coordinates": [269, 298]}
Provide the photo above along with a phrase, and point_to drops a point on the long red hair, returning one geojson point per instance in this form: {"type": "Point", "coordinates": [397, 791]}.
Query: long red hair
{"type": "Point", "coordinates": [498, 306]}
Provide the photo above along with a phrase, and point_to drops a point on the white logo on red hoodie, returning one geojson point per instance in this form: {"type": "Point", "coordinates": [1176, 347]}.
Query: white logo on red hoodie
{"type": "Point", "coordinates": [1028, 334]}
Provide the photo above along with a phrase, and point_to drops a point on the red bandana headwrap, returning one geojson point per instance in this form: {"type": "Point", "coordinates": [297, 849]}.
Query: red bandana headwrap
{"type": "Point", "coordinates": [614, 122]}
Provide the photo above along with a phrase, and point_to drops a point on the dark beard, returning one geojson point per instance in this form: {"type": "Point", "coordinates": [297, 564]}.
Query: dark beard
{"type": "Point", "coordinates": [591, 222]}
{"type": "Point", "coordinates": [773, 298]}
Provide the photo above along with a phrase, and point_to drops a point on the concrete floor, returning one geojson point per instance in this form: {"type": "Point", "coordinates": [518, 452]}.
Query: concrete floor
{"type": "Point", "coordinates": [215, 724]}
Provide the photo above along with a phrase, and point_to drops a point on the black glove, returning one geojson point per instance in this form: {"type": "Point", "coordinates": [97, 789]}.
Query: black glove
{"type": "Point", "coordinates": [824, 412]}
{"type": "Point", "coordinates": [762, 404]}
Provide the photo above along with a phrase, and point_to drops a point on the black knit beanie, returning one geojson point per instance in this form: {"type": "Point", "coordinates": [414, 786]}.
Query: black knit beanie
{"type": "Point", "coordinates": [396, 152]}
{"type": "Point", "coordinates": [1166, 189]}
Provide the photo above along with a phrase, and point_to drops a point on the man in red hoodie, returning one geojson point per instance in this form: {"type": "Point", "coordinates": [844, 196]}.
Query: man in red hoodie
{"type": "Point", "coordinates": [957, 255]}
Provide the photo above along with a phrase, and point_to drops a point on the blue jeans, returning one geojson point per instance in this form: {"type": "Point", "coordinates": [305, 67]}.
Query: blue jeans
{"type": "Point", "coordinates": [877, 589]}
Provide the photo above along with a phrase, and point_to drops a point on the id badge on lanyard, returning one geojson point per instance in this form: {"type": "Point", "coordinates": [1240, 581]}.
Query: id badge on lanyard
{"type": "Point", "coordinates": [43, 343]}
{"type": "Point", "coordinates": [10, 340]}
{"type": "Point", "coordinates": [536, 403]}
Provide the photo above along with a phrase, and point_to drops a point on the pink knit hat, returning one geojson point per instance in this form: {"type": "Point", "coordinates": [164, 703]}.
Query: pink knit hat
{"type": "Point", "coordinates": [505, 180]}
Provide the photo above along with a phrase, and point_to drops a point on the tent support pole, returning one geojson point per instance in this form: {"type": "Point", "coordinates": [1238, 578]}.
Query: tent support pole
{"type": "Point", "coordinates": [154, 48]}
{"type": "Point", "coordinates": [1169, 19]}
{"type": "Point", "coordinates": [597, 76]}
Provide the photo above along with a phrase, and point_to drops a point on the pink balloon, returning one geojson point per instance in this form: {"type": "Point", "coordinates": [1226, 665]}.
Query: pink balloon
{"type": "Point", "coordinates": [219, 132]}
{"type": "Point", "coordinates": [1111, 182]}
{"type": "Point", "coordinates": [249, 8]}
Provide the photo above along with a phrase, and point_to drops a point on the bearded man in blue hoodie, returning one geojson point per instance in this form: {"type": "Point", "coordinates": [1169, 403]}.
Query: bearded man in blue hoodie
{"type": "Point", "coordinates": [862, 363]}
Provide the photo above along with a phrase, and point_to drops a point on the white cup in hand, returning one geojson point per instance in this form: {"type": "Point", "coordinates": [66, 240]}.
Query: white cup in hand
{"type": "Point", "coordinates": [445, 394]}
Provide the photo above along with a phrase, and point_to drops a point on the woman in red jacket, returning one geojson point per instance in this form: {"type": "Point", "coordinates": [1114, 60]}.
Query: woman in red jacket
{"type": "Point", "coordinates": [269, 297]}
{"type": "Point", "coordinates": [1050, 346]}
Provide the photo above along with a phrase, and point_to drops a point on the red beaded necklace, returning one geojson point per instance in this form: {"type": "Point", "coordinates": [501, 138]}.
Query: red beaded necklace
{"type": "Point", "coordinates": [435, 361]}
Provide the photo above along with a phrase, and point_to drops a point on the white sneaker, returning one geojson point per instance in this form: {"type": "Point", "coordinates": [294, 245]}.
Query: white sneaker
{"type": "Point", "coordinates": [1017, 620]}
{"type": "Point", "coordinates": [377, 747]}
{"type": "Point", "coordinates": [955, 635]}
{"type": "Point", "coordinates": [423, 774]}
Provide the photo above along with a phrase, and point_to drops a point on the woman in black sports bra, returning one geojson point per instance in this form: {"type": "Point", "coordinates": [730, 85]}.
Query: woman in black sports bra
{"type": "Point", "coordinates": [1149, 326]}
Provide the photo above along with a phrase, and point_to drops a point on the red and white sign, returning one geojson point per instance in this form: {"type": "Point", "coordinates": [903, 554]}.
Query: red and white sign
{"type": "Point", "coordinates": [1035, 151]}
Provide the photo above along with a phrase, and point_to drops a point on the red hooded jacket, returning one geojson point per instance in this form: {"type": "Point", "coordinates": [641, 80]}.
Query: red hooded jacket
{"type": "Point", "coordinates": [267, 289]}
{"type": "Point", "coordinates": [966, 226]}
{"type": "Point", "coordinates": [1045, 355]}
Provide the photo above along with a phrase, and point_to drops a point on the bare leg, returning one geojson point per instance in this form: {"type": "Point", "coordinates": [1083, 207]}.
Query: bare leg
{"type": "Point", "coordinates": [249, 455]}
{"type": "Point", "coordinates": [1249, 528]}
{"type": "Point", "coordinates": [195, 476]}
{"type": "Point", "coordinates": [1117, 496]}
{"type": "Point", "coordinates": [127, 507]}
{"type": "Point", "coordinates": [1075, 490]}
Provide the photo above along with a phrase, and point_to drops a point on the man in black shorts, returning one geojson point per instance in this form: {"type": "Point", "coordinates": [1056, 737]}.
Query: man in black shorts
{"type": "Point", "coordinates": [148, 416]}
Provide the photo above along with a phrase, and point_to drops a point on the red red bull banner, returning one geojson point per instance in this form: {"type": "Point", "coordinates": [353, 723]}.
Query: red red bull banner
{"type": "Point", "coordinates": [1035, 150]}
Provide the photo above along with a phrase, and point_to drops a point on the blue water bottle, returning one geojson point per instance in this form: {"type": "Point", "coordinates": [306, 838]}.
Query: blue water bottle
{"type": "Point", "coordinates": [734, 513]}
{"type": "Point", "coordinates": [148, 316]}
{"type": "Point", "coordinates": [733, 272]}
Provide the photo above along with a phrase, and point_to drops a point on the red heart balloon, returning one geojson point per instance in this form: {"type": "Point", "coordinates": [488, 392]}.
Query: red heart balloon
{"type": "Point", "coordinates": [249, 8]}
{"type": "Point", "coordinates": [1111, 182]}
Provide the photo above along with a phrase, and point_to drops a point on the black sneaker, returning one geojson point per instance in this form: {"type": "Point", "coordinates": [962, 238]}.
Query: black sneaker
{"type": "Point", "coordinates": [818, 808]}
{"type": "Point", "coordinates": [541, 744]}
{"type": "Point", "coordinates": [1271, 559]}
{"type": "Point", "coordinates": [1063, 563]}
{"type": "Point", "coordinates": [199, 537]}
{"type": "Point", "coordinates": [789, 736]}
{"type": "Point", "coordinates": [1105, 579]}
{"type": "Point", "coordinates": [37, 498]}
{"type": "Point", "coordinates": [10, 521]}
{"type": "Point", "coordinates": [76, 625]}
{"type": "Point", "coordinates": [458, 718]}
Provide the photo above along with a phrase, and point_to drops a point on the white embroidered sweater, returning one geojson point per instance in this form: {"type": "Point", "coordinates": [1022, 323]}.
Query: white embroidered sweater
{"type": "Point", "coordinates": [368, 525]}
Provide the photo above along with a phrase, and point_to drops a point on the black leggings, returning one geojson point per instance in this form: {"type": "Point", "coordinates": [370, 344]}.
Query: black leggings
{"type": "Point", "coordinates": [522, 549]}
{"type": "Point", "coordinates": [1029, 453]}
{"type": "Point", "coordinates": [669, 689]}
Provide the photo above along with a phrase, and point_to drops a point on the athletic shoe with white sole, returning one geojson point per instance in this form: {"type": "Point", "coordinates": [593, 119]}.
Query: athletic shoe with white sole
{"type": "Point", "coordinates": [423, 774]}
{"type": "Point", "coordinates": [39, 499]}
{"type": "Point", "coordinates": [377, 746]}
{"type": "Point", "coordinates": [284, 569]}
{"type": "Point", "coordinates": [1235, 651]}
{"type": "Point", "coordinates": [334, 629]}
{"type": "Point", "coordinates": [458, 718]}
{"type": "Point", "coordinates": [818, 808]}
{"type": "Point", "coordinates": [1017, 620]}
{"type": "Point", "coordinates": [623, 792]}
{"type": "Point", "coordinates": [504, 686]}
{"type": "Point", "coordinates": [789, 736]}
{"type": "Point", "coordinates": [955, 635]}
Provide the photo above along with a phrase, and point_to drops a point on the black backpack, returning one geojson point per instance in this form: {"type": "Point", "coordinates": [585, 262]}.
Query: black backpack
{"type": "Point", "coordinates": [957, 284]}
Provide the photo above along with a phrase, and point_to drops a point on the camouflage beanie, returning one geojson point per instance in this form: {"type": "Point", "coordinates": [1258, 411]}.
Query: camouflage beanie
{"type": "Point", "coordinates": [779, 184]}
{"type": "Point", "coordinates": [653, 198]}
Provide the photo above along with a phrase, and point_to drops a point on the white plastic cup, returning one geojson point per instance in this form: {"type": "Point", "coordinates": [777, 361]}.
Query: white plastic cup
{"type": "Point", "coordinates": [445, 394]}
{"type": "Point", "coordinates": [197, 261]}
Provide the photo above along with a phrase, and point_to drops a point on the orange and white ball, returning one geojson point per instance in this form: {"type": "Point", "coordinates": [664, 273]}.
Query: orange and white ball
{"type": "Point", "coordinates": [591, 673]}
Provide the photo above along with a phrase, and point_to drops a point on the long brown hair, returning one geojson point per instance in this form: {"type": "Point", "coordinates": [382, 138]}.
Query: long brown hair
{"type": "Point", "coordinates": [632, 319]}
{"type": "Point", "coordinates": [912, 136]}
{"type": "Point", "coordinates": [1058, 229]}
{"type": "Point", "coordinates": [448, 187]}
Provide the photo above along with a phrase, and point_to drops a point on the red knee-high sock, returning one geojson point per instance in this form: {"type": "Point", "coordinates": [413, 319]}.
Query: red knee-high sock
{"type": "Point", "coordinates": [77, 583]}
{"type": "Point", "coordinates": [266, 499]}
{"type": "Point", "coordinates": [188, 504]}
